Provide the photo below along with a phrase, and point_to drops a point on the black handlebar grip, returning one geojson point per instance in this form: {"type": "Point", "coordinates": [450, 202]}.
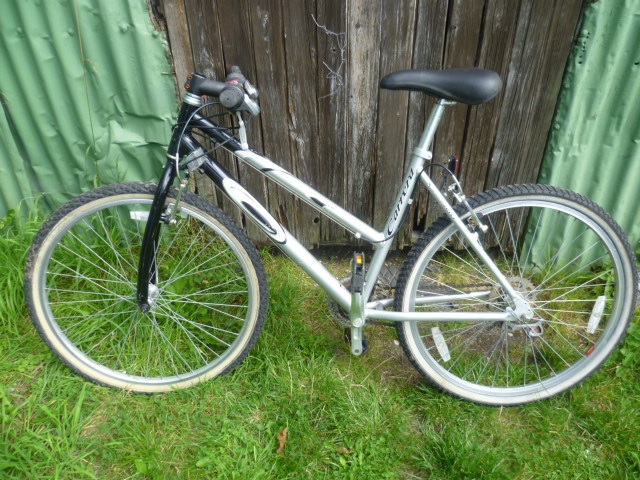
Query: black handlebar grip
{"type": "Point", "coordinates": [235, 75]}
{"type": "Point", "coordinates": [232, 96]}
{"type": "Point", "coordinates": [232, 93]}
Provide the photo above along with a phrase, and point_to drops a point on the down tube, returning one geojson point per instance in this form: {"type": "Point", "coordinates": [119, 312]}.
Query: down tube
{"type": "Point", "coordinates": [280, 236]}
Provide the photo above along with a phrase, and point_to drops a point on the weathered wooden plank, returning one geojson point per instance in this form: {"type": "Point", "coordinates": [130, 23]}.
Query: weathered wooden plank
{"type": "Point", "coordinates": [461, 44]}
{"type": "Point", "coordinates": [514, 104]}
{"type": "Point", "coordinates": [557, 44]}
{"type": "Point", "coordinates": [499, 27]}
{"type": "Point", "coordinates": [462, 37]}
{"type": "Point", "coordinates": [427, 54]}
{"type": "Point", "coordinates": [331, 37]}
{"type": "Point", "coordinates": [204, 34]}
{"type": "Point", "coordinates": [363, 60]}
{"type": "Point", "coordinates": [541, 46]}
{"type": "Point", "coordinates": [206, 43]}
{"type": "Point", "coordinates": [238, 49]}
{"type": "Point", "coordinates": [302, 110]}
{"type": "Point", "coordinates": [268, 33]}
{"type": "Point", "coordinates": [398, 23]}
{"type": "Point", "coordinates": [178, 32]}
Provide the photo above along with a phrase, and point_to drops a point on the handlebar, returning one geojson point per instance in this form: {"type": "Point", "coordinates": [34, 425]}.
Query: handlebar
{"type": "Point", "coordinates": [235, 93]}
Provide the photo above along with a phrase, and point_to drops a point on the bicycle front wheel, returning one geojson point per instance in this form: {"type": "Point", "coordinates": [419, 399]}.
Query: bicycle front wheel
{"type": "Point", "coordinates": [564, 255]}
{"type": "Point", "coordinates": [208, 297]}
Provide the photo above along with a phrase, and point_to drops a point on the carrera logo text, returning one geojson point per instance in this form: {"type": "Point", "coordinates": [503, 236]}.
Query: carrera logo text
{"type": "Point", "coordinates": [393, 224]}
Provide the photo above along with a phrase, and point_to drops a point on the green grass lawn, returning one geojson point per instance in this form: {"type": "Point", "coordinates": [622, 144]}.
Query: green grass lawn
{"type": "Point", "coordinates": [366, 418]}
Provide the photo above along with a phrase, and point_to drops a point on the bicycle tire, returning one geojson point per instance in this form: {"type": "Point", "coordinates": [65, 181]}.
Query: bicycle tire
{"type": "Point", "coordinates": [209, 302]}
{"type": "Point", "coordinates": [563, 253]}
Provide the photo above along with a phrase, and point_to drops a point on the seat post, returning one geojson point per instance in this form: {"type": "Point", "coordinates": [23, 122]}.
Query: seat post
{"type": "Point", "coordinates": [423, 149]}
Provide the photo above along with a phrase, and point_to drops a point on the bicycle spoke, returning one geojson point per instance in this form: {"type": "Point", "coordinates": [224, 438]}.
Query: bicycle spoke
{"type": "Point", "coordinates": [190, 336]}
{"type": "Point", "coordinates": [112, 247]}
{"type": "Point", "coordinates": [86, 318]}
{"type": "Point", "coordinates": [182, 274]}
{"type": "Point", "coordinates": [200, 326]}
{"type": "Point", "coordinates": [105, 336]}
{"type": "Point", "coordinates": [111, 272]}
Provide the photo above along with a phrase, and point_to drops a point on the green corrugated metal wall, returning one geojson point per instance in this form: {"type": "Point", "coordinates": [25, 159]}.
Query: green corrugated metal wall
{"type": "Point", "coordinates": [594, 147]}
{"type": "Point", "coordinates": [87, 97]}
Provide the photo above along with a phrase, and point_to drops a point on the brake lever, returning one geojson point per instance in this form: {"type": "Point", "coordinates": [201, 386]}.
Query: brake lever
{"type": "Point", "coordinates": [251, 106]}
{"type": "Point", "coordinates": [252, 91]}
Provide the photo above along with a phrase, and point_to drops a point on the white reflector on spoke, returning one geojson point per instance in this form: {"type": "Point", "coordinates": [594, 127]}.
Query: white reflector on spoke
{"type": "Point", "coordinates": [441, 344]}
{"type": "Point", "coordinates": [596, 314]}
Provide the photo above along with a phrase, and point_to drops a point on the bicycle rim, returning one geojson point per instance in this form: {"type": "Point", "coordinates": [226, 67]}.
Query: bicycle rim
{"type": "Point", "coordinates": [563, 258]}
{"type": "Point", "coordinates": [206, 298]}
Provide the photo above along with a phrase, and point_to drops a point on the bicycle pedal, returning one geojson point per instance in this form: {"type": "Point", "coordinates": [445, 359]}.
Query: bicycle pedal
{"type": "Point", "coordinates": [357, 273]}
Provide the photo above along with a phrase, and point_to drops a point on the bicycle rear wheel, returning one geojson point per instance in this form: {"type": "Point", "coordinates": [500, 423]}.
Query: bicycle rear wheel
{"type": "Point", "coordinates": [209, 299]}
{"type": "Point", "coordinates": [563, 253]}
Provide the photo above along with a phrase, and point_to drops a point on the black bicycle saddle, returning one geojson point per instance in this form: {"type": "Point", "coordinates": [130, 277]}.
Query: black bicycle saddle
{"type": "Point", "coordinates": [465, 85]}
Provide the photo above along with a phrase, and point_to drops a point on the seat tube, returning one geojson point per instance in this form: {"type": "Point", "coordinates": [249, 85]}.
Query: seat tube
{"type": "Point", "coordinates": [421, 154]}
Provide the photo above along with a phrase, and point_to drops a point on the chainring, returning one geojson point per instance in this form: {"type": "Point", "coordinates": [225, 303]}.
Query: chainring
{"type": "Point", "coordinates": [338, 314]}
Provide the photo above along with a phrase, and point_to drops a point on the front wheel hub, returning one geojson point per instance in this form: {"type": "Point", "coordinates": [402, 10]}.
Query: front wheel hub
{"type": "Point", "coordinates": [152, 299]}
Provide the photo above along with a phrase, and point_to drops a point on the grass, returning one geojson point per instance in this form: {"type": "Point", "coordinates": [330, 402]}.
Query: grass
{"type": "Point", "coordinates": [368, 418]}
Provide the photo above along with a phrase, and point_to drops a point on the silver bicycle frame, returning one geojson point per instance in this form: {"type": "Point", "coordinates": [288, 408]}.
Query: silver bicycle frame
{"type": "Point", "coordinates": [381, 241]}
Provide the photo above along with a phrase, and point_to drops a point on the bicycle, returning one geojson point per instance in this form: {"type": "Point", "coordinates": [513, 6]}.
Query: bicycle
{"type": "Point", "coordinates": [512, 296]}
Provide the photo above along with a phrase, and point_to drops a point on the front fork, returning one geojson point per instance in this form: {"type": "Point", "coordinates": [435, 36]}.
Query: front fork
{"type": "Point", "coordinates": [147, 268]}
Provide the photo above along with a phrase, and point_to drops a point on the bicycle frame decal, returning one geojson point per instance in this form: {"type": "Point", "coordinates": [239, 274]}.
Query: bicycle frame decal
{"type": "Point", "coordinates": [253, 209]}
{"type": "Point", "coordinates": [400, 207]}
